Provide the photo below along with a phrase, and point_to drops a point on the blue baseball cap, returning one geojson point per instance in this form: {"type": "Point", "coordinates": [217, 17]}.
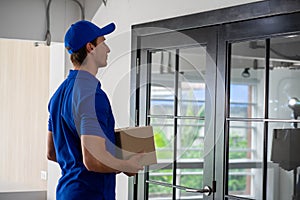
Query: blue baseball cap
{"type": "Point", "coordinates": [83, 32]}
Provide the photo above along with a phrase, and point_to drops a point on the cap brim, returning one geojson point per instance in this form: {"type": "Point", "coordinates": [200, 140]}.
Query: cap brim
{"type": "Point", "coordinates": [108, 29]}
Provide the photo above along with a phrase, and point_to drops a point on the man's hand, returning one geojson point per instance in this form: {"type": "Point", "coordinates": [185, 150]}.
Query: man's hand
{"type": "Point", "coordinates": [133, 164]}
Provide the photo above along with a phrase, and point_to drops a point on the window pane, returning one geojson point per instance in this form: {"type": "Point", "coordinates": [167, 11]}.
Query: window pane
{"type": "Point", "coordinates": [245, 159]}
{"type": "Point", "coordinates": [163, 130]}
{"type": "Point", "coordinates": [190, 140]}
{"type": "Point", "coordinates": [284, 76]}
{"type": "Point", "coordinates": [190, 152]}
{"type": "Point", "coordinates": [192, 178]}
{"type": "Point", "coordinates": [159, 191]}
{"type": "Point", "coordinates": [283, 158]}
{"type": "Point", "coordinates": [162, 83]}
{"type": "Point", "coordinates": [247, 79]}
{"type": "Point", "coordinates": [191, 82]}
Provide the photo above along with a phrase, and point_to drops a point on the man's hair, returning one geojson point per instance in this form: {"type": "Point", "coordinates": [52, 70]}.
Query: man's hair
{"type": "Point", "coordinates": [78, 57]}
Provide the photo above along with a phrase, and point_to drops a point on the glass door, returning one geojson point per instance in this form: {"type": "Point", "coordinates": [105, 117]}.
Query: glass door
{"type": "Point", "coordinates": [262, 134]}
{"type": "Point", "coordinates": [176, 94]}
{"type": "Point", "coordinates": [224, 103]}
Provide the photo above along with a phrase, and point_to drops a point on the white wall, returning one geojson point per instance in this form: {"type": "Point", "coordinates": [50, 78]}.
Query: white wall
{"type": "Point", "coordinates": [57, 71]}
{"type": "Point", "coordinates": [125, 13]}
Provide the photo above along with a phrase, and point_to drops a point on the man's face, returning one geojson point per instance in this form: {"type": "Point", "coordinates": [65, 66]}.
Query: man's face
{"type": "Point", "coordinates": [101, 51]}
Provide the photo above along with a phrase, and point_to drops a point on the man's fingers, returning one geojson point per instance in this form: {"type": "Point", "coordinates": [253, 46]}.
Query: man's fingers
{"type": "Point", "coordinates": [140, 155]}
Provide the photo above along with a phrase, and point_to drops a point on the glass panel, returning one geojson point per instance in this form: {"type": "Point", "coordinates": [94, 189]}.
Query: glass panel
{"type": "Point", "coordinates": [162, 83]}
{"type": "Point", "coordinates": [189, 178]}
{"type": "Point", "coordinates": [284, 77]}
{"type": "Point", "coordinates": [190, 150]}
{"type": "Point", "coordinates": [190, 140]}
{"type": "Point", "coordinates": [163, 130]}
{"type": "Point", "coordinates": [164, 141]}
{"type": "Point", "coordinates": [283, 159]}
{"type": "Point", "coordinates": [247, 79]}
{"type": "Point", "coordinates": [191, 91]}
{"type": "Point", "coordinates": [190, 132]}
{"type": "Point", "coordinates": [246, 101]}
{"type": "Point", "coordinates": [245, 159]}
{"type": "Point", "coordinates": [159, 191]}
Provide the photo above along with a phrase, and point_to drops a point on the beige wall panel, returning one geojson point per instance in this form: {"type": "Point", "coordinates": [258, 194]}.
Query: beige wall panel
{"type": "Point", "coordinates": [24, 87]}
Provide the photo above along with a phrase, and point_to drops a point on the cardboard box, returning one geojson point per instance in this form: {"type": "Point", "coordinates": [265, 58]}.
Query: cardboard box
{"type": "Point", "coordinates": [134, 140]}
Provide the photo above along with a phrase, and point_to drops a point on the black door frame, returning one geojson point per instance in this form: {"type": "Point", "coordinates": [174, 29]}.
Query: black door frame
{"type": "Point", "coordinates": [238, 13]}
{"type": "Point", "coordinates": [202, 36]}
{"type": "Point", "coordinates": [228, 22]}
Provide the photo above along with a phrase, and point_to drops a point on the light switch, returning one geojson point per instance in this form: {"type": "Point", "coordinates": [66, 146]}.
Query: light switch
{"type": "Point", "coordinates": [43, 175]}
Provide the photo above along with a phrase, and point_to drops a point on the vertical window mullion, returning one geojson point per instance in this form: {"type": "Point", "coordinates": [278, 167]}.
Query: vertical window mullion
{"type": "Point", "coordinates": [148, 95]}
{"type": "Point", "coordinates": [266, 116]}
{"type": "Point", "coordinates": [137, 110]}
{"type": "Point", "coordinates": [175, 122]}
{"type": "Point", "coordinates": [227, 113]}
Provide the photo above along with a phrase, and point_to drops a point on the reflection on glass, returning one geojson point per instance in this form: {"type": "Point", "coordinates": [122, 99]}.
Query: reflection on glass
{"type": "Point", "coordinates": [245, 159]}
{"type": "Point", "coordinates": [190, 140]}
{"type": "Point", "coordinates": [158, 191]}
{"type": "Point", "coordinates": [284, 75]}
{"type": "Point", "coordinates": [162, 83]}
{"type": "Point", "coordinates": [191, 81]}
{"type": "Point", "coordinates": [283, 161]}
{"type": "Point", "coordinates": [247, 79]}
{"type": "Point", "coordinates": [163, 130]}
{"type": "Point", "coordinates": [190, 132]}
{"type": "Point", "coordinates": [192, 178]}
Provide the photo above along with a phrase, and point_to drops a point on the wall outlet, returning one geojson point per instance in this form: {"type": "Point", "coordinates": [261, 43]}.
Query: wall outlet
{"type": "Point", "coordinates": [43, 175]}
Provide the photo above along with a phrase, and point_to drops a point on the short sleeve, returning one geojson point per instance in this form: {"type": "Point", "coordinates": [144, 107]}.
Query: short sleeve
{"type": "Point", "coordinates": [50, 127]}
{"type": "Point", "coordinates": [88, 113]}
{"type": "Point", "coordinates": [93, 117]}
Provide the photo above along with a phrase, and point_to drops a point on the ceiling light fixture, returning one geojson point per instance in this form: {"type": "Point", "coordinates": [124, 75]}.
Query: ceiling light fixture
{"type": "Point", "coordinates": [246, 73]}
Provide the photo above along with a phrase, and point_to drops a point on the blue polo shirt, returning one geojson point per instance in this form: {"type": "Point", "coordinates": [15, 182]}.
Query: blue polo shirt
{"type": "Point", "coordinates": [78, 107]}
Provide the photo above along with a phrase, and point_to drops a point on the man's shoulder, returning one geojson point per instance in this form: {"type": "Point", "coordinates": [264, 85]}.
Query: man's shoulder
{"type": "Point", "coordinates": [59, 93]}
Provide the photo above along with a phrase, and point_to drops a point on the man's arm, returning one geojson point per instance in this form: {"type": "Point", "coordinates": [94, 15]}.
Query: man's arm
{"type": "Point", "coordinates": [96, 158]}
{"type": "Point", "coordinates": [51, 155]}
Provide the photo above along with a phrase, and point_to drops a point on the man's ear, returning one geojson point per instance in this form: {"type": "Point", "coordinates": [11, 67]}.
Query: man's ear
{"type": "Point", "coordinates": [89, 47]}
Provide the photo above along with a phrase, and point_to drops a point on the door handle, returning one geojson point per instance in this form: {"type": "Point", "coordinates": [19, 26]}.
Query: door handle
{"type": "Point", "coordinates": [207, 190]}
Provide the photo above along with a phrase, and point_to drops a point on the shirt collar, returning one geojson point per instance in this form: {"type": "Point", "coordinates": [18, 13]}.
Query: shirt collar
{"type": "Point", "coordinates": [82, 74]}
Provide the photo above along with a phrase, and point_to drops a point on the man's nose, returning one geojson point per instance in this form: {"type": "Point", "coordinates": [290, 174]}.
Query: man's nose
{"type": "Point", "coordinates": [108, 49]}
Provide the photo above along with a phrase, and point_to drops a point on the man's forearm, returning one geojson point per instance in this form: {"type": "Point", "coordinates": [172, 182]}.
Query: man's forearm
{"type": "Point", "coordinates": [51, 155]}
{"type": "Point", "coordinates": [97, 158]}
{"type": "Point", "coordinates": [101, 163]}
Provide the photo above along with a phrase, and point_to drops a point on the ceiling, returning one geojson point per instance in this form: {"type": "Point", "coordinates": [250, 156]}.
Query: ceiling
{"type": "Point", "coordinates": [27, 19]}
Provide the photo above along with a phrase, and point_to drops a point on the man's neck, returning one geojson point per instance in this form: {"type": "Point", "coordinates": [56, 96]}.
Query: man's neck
{"type": "Point", "coordinates": [91, 70]}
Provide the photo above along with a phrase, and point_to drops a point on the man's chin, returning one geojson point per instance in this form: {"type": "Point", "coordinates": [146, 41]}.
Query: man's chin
{"type": "Point", "coordinates": [102, 66]}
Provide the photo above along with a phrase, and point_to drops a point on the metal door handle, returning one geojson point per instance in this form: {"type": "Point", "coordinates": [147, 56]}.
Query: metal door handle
{"type": "Point", "coordinates": [207, 190]}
